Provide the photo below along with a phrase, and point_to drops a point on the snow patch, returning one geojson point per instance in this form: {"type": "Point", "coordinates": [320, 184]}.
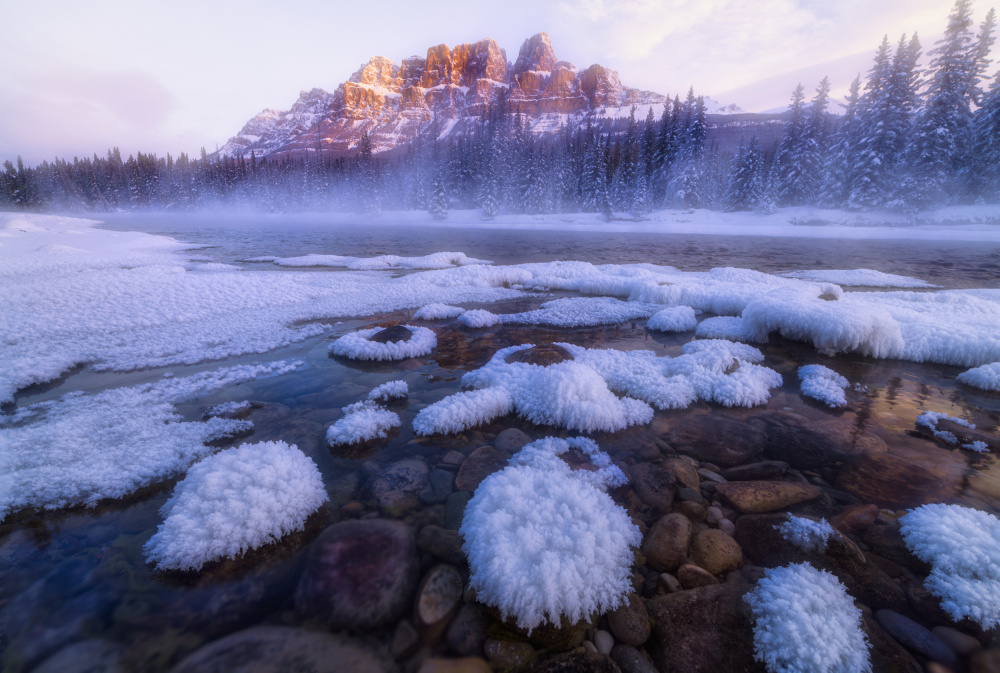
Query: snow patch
{"type": "Point", "coordinates": [673, 319]}
{"type": "Point", "coordinates": [362, 421]}
{"type": "Point", "coordinates": [806, 534]}
{"type": "Point", "coordinates": [823, 384]}
{"type": "Point", "coordinates": [859, 277]}
{"type": "Point", "coordinates": [232, 502]}
{"type": "Point", "coordinates": [357, 346]}
{"type": "Point", "coordinates": [985, 377]}
{"type": "Point", "coordinates": [437, 260]}
{"type": "Point", "coordinates": [438, 312]}
{"type": "Point", "coordinates": [393, 390]}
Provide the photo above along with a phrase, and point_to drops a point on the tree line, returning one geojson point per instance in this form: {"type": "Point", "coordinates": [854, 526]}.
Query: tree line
{"type": "Point", "coordinates": [909, 139]}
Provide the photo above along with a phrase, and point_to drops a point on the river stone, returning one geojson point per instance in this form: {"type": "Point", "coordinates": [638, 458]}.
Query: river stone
{"type": "Point", "coordinates": [442, 483]}
{"type": "Point", "coordinates": [86, 656]}
{"type": "Point", "coordinates": [603, 641]}
{"type": "Point", "coordinates": [360, 574]}
{"type": "Point", "coordinates": [631, 660]}
{"type": "Point", "coordinates": [754, 497]}
{"type": "Point", "coordinates": [439, 594]}
{"type": "Point", "coordinates": [718, 440]}
{"type": "Point", "coordinates": [405, 641]}
{"type": "Point", "coordinates": [542, 355]}
{"type": "Point", "coordinates": [691, 510]}
{"type": "Point", "coordinates": [806, 444]}
{"type": "Point", "coordinates": [854, 518]}
{"type": "Point", "coordinates": [440, 542]}
{"type": "Point", "coordinates": [467, 631]}
{"type": "Point", "coordinates": [887, 541]}
{"type": "Point", "coordinates": [866, 581]}
{"type": "Point", "coordinates": [395, 486]}
{"type": "Point", "coordinates": [508, 654]}
{"type": "Point", "coordinates": [280, 649]}
{"type": "Point", "coordinates": [716, 552]}
{"type": "Point", "coordinates": [480, 464]}
{"type": "Point", "coordinates": [768, 469]}
{"type": "Point", "coordinates": [392, 334]}
{"type": "Point", "coordinates": [666, 544]}
{"type": "Point", "coordinates": [896, 482]}
{"type": "Point", "coordinates": [960, 643]}
{"type": "Point", "coordinates": [511, 440]}
{"type": "Point", "coordinates": [986, 661]}
{"type": "Point", "coordinates": [630, 622]}
{"type": "Point", "coordinates": [454, 509]}
{"type": "Point", "coordinates": [691, 576]}
{"type": "Point", "coordinates": [915, 637]}
{"type": "Point", "coordinates": [654, 485]}
{"type": "Point", "coordinates": [577, 662]}
{"type": "Point", "coordinates": [886, 654]}
{"type": "Point", "coordinates": [685, 473]}
{"type": "Point", "coordinates": [704, 630]}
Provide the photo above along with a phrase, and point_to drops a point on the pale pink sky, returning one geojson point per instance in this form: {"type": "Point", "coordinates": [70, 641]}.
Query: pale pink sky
{"type": "Point", "coordinates": [79, 77]}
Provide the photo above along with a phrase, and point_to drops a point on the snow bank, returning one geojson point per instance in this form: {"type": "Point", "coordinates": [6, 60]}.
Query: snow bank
{"type": "Point", "coordinates": [567, 312]}
{"type": "Point", "coordinates": [80, 449]}
{"type": "Point", "coordinates": [438, 312]}
{"type": "Point", "coordinates": [805, 533]}
{"type": "Point", "coordinates": [673, 319]}
{"type": "Point", "coordinates": [479, 318]}
{"type": "Point", "coordinates": [237, 500]}
{"type": "Point", "coordinates": [437, 260]}
{"type": "Point", "coordinates": [804, 620]}
{"type": "Point", "coordinates": [723, 327]}
{"type": "Point", "coordinates": [986, 377]}
{"type": "Point", "coordinates": [856, 277]}
{"type": "Point", "coordinates": [823, 384]}
{"type": "Point", "coordinates": [362, 421]}
{"type": "Point", "coordinates": [393, 390]}
{"type": "Point", "coordinates": [962, 545]}
{"type": "Point", "coordinates": [580, 394]}
{"type": "Point", "coordinates": [546, 542]}
{"type": "Point", "coordinates": [357, 346]}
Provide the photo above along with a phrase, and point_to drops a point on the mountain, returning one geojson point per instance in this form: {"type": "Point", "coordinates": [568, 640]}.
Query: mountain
{"type": "Point", "coordinates": [448, 89]}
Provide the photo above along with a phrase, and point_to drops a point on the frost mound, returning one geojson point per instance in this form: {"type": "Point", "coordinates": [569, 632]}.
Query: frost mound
{"type": "Point", "coordinates": [357, 346]}
{"type": "Point", "coordinates": [80, 449]}
{"type": "Point", "coordinates": [478, 318]}
{"type": "Point", "coordinates": [986, 377]}
{"type": "Point", "coordinates": [582, 394]}
{"type": "Point", "coordinates": [567, 312]}
{"type": "Point", "coordinates": [546, 542]}
{"type": "Point", "coordinates": [393, 390]}
{"type": "Point", "coordinates": [823, 384]}
{"type": "Point", "coordinates": [362, 421]}
{"type": "Point", "coordinates": [438, 312]}
{"type": "Point", "coordinates": [804, 620]}
{"type": "Point", "coordinates": [855, 277]}
{"type": "Point", "coordinates": [237, 500]}
{"type": "Point", "coordinates": [806, 534]}
{"type": "Point", "coordinates": [962, 545]}
{"type": "Point", "coordinates": [929, 419]}
{"type": "Point", "coordinates": [673, 319]}
{"type": "Point", "coordinates": [228, 409]}
{"type": "Point", "coordinates": [437, 260]}
{"type": "Point", "coordinates": [723, 327]}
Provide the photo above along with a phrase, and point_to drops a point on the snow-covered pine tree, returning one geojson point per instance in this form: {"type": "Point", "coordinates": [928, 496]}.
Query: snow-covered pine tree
{"type": "Point", "coordinates": [986, 144]}
{"type": "Point", "coordinates": [789, 184]}
{"type": "Point", "coordinates": [437, 204]}
{"type": "Point", "coordinates": [838, 169]}
{"type": "Point", "coordinates": [748, 177]}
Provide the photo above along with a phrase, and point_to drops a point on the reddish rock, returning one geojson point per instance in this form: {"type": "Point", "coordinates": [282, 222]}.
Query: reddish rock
{"type": "Point", "coordinates": [721, 441]}
{"type": "Point", "coordinates": [691, 576]}
{"type": "Point", "coordinates": [542, 355]}
{"type": "Point", "coordinates": [897, 482]}
{"type": "Point", "coordinates": [854, 518]}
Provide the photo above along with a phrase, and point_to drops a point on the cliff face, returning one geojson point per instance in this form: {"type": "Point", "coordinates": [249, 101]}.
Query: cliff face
{"type": "Point", "coordinates": [397, 103]}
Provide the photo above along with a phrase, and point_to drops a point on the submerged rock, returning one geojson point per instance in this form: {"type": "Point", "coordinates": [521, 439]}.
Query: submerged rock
{"type": "Point", "coordinates": [716, 552]}
{"type": "Point", "coordinates": [511, 440]}
{"type": "Point", "coordinates": [480, 464]}
{"type": "Point", "coordinates": [508, 654]}
{"type": "Point", "coordinates": [718, 440]}
{"type": "Point", "coordinates": [391, 335]}
{"type": "Point", "coordinates": [666, 544]}
{"type": "Point", "coordinates": [631, 660]}
{"type": "Point", "coordinates": [630, 622]}
{"type": "Point", "coordinates": [754, 497]}
{"type": "Point", "coordinates": [915, 637]}
{"type": "Point", "coordinates": [765, 470]}
{"type": "Point", "coordinates": [703, 630]}
{"type": "Point", "coordinates": [654, 484]}
{"type": "Point", "coordinates": [279, 649]}
{"type": "Point", "coordinates": [360, 574]}
{"type": "Point", "coordinates": [86, 656]}
{"type": "Point", "coordinates": [396, 486]}
{"type": "Point", "coordinates": [896, 482]}
{"type": "Point", "coordinates": [543, 355]}
{"type": "Point", "coordinates": [467, 631]}
{"type": "Point", "coordinates": [439, 595]}
{"type": "Point", "coordinates": [577, 662]}
{"type": "Point", "coordinates": [805, 444]}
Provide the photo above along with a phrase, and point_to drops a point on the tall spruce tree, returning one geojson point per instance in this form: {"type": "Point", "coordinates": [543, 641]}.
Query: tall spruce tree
{"type": "Point", "coordinates": [789, 160]}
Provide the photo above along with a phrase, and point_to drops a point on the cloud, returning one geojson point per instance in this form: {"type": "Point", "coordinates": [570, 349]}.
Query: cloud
{"type": "Point", "coordinates": [134, 97]}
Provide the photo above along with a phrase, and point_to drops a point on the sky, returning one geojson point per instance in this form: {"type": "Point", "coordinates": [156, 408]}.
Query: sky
{"type": "Point", "coordinates": [157, 76]}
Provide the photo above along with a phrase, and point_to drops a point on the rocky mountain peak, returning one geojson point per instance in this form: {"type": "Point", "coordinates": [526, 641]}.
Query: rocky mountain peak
{"type": "Point", "coordinates": [536, 54]}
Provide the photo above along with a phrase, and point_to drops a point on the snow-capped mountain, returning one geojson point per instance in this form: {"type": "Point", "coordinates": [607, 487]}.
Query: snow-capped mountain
{"type": "Point", "coordinates": [447, 90]}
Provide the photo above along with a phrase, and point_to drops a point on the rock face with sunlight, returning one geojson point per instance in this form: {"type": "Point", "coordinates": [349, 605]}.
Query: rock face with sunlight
{"type": "Point", "coordinates": [235, 501]}
{"type": "Point", "coordinates": [545, 541]}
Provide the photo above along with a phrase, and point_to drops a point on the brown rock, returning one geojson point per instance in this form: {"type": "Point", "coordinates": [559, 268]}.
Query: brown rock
{"type": "Point", "coordinates": [716, 552]}
{"type": "Point", "coordinates": [806, 445]}
{"type": "Point", "coordinates": [691, 510]}
{"type": "Point", "coordinates": [754, 497]}
{"type": "Point", "coordinates": [393, 334]}
{"type": "Point", "coordinates": [480, 464]}
{"type": "Point", "coordinates": [666, 544]}
{"type": "Point", "coordinates": [854, 518]}
{"type": "Point", "coordinates": [718, 440]}
{"type": "Point", "coordinates": [576, 662]}
{"type": "Point", "coordinates": [508, 654]}
{"type": "Point", "coordinates": [654, 485]}
{"type": "Point", "coordinates": [443, 543]}
{"type": "Point", "coordinates": [691, 576]}
{"type": "Point", "coordinates": [768, 469]}
{"type": "Point", "coordinates": [536, 54]}
{"type": "Point", "coordinates": [886, 654]}
{"type": "Point", "coordinates": [986, 661]}
{"type": "Point", "coordinates": [897, 482]}
{"type": "Point", "coordinates": [703, 630]}
{"type": "Point", "coordinates": [684, 472]}
{"type": "Point", "coordinates": [630, 622]}
{"type": "Point", "coordinates": [543, 355]}
{"type": "Point", "coordinates": [439, 595]}
{"type": "Point", "coordinates": [467, 632]}
{"type": "Point", "coordinates": [395, 487]}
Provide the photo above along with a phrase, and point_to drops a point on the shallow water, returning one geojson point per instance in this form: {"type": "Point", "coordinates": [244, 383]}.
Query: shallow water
{"type": "Point", "coordinates": [76, 574]}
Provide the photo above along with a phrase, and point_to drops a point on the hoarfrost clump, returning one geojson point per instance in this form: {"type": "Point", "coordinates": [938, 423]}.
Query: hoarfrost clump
{"type": "Point", "coordinates": [580, 394]}
{"type": "Point", "coordinates": [673, 319]}
{"type": "Point", "coordinates": [929, 419]}
{"type": "Point", "coordinates": [582, 312]}
{"type": "Point", "coordinates": [438, 312]}
{"type": "Point", "coordinates": [962, 545]}
{"type": "Point", "coordinates": [804, 620]}
{"type": "Point", "coordinates": [80, 449]}
{"type": "Point", "coordinates": [724, 327]}
{"type": "Point", "coordinates": [437, 260]}
{"type": "Point", "coordinates": [393, 390]}
{"type": "Point", "coordinates": [546, 542]}
{"type": "Point", "coordinates": [227, 409]}
{"type": "Point", "coordinates": [986, 377]}
{"type": "Point", "coordinates": [823, 384]}
{"type": "Point", "coordinates": [362, 421]}
{"type": "Point", "coordinates": [357, 346]}
{"type": "Point", "coordinates": [478, 318]}
{"type": "Point", "coordinates": [806, 534]}
{"type": "Point", "coordinates": [237, 500]}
